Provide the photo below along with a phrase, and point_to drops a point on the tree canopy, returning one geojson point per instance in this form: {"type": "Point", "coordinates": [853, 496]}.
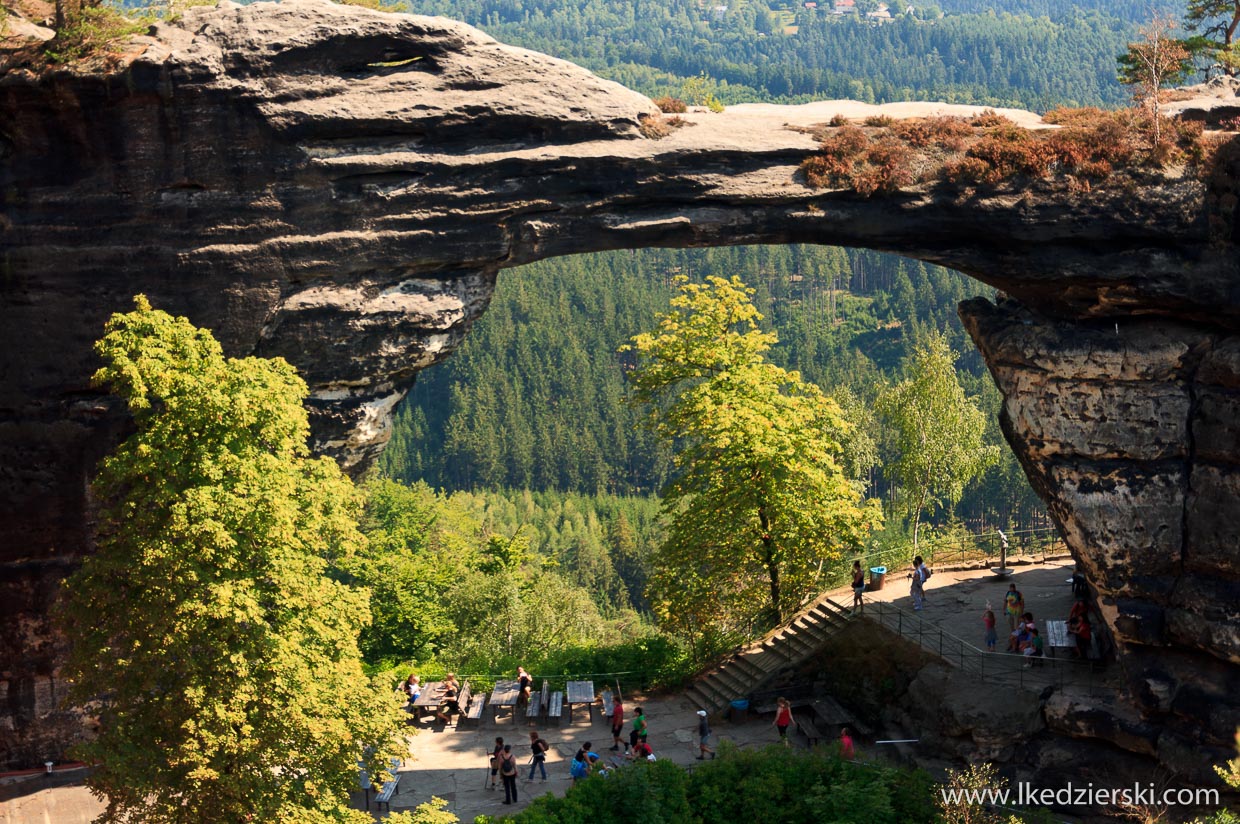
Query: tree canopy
{"type": "Point", "coordinates": [760, 500]}
{"type": "Point", "coordinates": [221, 658]}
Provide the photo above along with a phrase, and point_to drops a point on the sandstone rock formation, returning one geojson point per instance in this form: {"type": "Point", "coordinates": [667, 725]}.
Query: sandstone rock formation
{"type": "Point", "coordinates": [341, 187]}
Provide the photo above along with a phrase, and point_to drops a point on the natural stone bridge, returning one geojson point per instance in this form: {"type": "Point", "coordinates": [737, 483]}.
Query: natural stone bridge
{"type": "Point", "coordinates": [340, 187]}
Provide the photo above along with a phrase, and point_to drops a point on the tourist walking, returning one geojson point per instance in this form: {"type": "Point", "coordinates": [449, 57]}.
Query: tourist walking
{"type": "Point", "coordinates": [508, 772]}
{"type": "Point", "coordinates": [704, 736]}
{"type": "Point", "coordinates": [539, 747]}
{"type": "Point", "coordinates": [988, 621]}
{"type": "Point", "coordinates": [847, 751]}
{"type": "Point", "coordinates": [639, 731]}
{"type": "Point", "coordinates": [496, 755]}
{"type": "Point", "coordinates": [783, 718]}
{"type": "Point", "coordinates": [617, 724]}
{"type": "Point", "coordinates": [858, 585]}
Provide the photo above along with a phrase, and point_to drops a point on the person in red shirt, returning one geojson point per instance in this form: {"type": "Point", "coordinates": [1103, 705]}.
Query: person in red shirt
{"type": "Point", "coordinates": [847, 751]}
{"type": "Point", "coordinates": [783, 718]}
{"type": "Point", "coordinates": [1082, 633]}
{"type": "Point", "coordinates": [617, 725]}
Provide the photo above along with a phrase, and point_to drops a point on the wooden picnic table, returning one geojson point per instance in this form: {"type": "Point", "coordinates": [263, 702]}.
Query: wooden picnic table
{"type": "Point", "coordinates": [579, 692]}
{"type": "Point", "coordinates": [504, 694]}
{"type": "Point", "coordinates": [431, 696]}
{"type": "Point", "coordinates": [1057, 636]}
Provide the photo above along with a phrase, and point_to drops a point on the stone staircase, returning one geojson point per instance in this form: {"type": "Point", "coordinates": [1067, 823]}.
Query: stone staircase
{"type": "Point", "coordinates": [755, 665]}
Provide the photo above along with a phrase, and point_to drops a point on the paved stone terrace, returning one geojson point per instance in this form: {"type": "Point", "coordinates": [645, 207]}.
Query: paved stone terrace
{"type": "Point", "coordinates": [452, 764]}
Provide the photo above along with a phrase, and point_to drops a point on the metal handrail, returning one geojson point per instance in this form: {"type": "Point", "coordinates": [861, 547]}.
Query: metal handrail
{"type": "Point", "coordinates": [994, 666]}
{"type": "Point", "coordinates": [953, 549]}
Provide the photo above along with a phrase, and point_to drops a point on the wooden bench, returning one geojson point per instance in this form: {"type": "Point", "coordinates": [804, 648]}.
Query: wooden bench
{"type": "Point", "coordinates": [556, 708]}
{"type": "Point", "coordinates": [806, 725]}
{"type": "Point", "coordinates": [473, 715]}
{"type": "Point", "coordinates": [536, 705]}
{"type": "Point", "coordinates": [389, 787]}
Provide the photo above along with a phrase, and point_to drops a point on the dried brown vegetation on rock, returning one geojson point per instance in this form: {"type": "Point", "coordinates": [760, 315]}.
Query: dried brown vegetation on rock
{"type": "Point", "coordinates": [657, 127]}
{"type": "Point", "coordinates": [671, 105]}
{"type": "Point", "coordinates": [988, 149]}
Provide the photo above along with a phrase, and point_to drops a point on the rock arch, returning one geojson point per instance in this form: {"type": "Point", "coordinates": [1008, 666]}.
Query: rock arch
{"type": "Point", "coordinates": [340, 187]}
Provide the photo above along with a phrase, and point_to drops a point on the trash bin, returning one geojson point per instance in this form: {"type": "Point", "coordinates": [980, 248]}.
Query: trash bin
{"type": "Point", "coordinates": [877, 576]}
{"type": "Point", "coordinates": [740, 711]}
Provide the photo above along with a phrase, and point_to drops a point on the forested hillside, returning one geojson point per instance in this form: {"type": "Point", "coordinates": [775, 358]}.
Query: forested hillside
{"type": "Point", "coordinates": [1035, 54]}
{"type": "Point", "coordinates": [536, 396]}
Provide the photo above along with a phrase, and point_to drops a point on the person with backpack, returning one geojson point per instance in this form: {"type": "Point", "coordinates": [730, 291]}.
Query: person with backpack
{"type": "Point", "coordinates": [921, 574]}
{"type": "Point", "coordinates": [539, 747]}
{"type": "Point", "coordinates": [508, 772]}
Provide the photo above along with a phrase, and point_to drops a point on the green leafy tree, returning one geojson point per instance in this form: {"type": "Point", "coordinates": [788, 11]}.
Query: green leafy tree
{"type": "Point", "coordinates": [405, 572]}
{"type": "Point", "coordinates": [432, 812]}
{"type": "Point", "coordinates": [221, 659]}
{"type": "Point", "coordinates": [761, 501]}
{"type": "Point", "coordinates": [938, 432]}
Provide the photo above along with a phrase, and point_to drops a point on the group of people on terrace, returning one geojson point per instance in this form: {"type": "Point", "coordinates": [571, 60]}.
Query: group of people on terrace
{"type": "Point", "coordinates": [1024, 637]}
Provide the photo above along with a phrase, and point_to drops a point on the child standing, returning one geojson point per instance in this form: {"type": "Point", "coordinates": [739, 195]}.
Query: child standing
{"type": "Point", "coordinates": [988, 621]}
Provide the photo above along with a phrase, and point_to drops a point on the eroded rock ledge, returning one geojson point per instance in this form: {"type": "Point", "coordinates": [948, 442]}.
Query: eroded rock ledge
{"type": "Point", "coordinates": [341, 187]}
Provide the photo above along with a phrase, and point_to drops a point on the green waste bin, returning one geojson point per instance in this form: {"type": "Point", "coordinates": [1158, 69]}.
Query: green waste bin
{"type": "Point", "coordinates": [877, 576]}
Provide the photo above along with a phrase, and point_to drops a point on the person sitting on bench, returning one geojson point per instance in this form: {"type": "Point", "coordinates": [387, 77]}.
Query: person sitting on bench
{"type": "Point", "coordinates": [448, 705]}
{"type": "Point", "coordinates": [524, 681]}
{"type": "Point", "coordinates": [1033, 647]}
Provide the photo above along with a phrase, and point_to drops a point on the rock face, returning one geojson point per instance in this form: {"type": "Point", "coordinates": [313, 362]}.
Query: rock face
{"type": "Point", "coordinates": [1129, 429]}
{"type": "Point", "coordinates": [341, 187]}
